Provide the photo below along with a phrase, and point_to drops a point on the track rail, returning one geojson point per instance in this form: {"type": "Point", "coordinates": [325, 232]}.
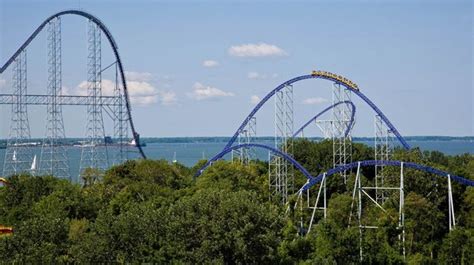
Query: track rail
{"type": "Point", "coordinates": [314, 180]}
{"type": "Point", "coordinates": [276, 151]}
{"type": "Point", "coordinates": [112, 43]}
{"type": "Point", "coordinates": [351, 122]}
{"type": "Point", "coordinates": [304, 77]}
{"type": "Point", "coordinates": [366, 163]}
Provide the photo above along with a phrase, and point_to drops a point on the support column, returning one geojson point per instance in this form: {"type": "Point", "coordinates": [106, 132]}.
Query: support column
{"type": "Point", "coordinates": [121, 121]}
{"type": "Point", "coordinates": [359, 211]}
{"type": "Point", "coordinates": [342, 144]}
{"type": "Point", "coordinates": [54, 159]}
{"type": "Point", "coordinates": [322, 188]}
{"type": "Point", "coordinates": [19, 153]}
{"type": "Point", "coordinates": [94, 150]}
{"type": "Point", "coordinates": [281, 174]}
{"type": "Point", "coordinates": [383, 151]}
{"type": "Point", "coordinates": [452, 219]}
{"type": "Point", "coordinates": [401, 212]}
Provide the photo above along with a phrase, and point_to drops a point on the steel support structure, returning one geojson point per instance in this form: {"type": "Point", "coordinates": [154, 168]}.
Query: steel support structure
{"type": "Point", "coordinates": [63, 100]}
{"type": "Point", "coordinates": [246, 136]}
{"type": "Point", "coordinates": [121, 121]}
{"type": "Point", "coordinates": [359, 192]}
{"type": "Point", "coordinates": [401, 213]}
{"type": "Point", "coordinates": [342, 143]}
{"type": "Point", "coordinates": [325, 126]}
{"type": "Point", "coordinates": [19, 152]}
{"type": "Point", "coordinates": [94, 151]}
{"type": "Point", "coordinates": [281, 173]}
{"type": "Point", "coordinates": [321, 190]}
{"type": "Point", "coordinates": [54, 159]}
{"type": "Point", "coordinates": [383, 151]}
{"type": "Point", "coordinates": [452, 219]}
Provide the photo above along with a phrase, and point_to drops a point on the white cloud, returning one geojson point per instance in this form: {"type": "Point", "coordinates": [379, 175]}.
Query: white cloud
{"type": "Point", "coordinates": [254, 99]}
{"type": "Point", "coordinates": [140, 93]}
{"type": "Point", "coordinates": [210, 63]}
{"type": "Point", "coordinates": [167, 98]}
{"type": "Point", "coordinates": [256, 50]}
{"type": "Point", "coordinates": [140, 89]}
{"type": "Point", "coordinates": [314, 101]}
{"type": "Point", "coordinates": [201, 92]}
{"type": "Point", "coordinates": [81, 89]}
{"type": "Point", "coordinates": [138, 76]}
{"type": "Point", "coordinates": [256, 75]}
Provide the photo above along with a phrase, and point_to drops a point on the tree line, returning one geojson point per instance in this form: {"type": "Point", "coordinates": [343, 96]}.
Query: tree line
{"type": "Point", "coordinates": [154, 211]}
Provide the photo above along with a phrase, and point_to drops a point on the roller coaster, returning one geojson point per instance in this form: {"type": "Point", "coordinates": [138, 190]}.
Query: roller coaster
{"type": "Point", "coordinates": [342, 123]}
{"type": "Point", "coordinates": [330, 77]}
{"type": "Point", "coordinates": [21, 152]}
{"type": "Point", "coordinates": [53, 160]}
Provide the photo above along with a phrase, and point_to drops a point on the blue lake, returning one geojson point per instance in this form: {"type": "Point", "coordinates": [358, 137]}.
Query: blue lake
{"type": "Point", "coordinates": [190, 152]}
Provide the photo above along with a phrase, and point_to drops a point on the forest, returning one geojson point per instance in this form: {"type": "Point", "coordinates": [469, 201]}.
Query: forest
{"type": "Point", "coordinates": [146, 211]}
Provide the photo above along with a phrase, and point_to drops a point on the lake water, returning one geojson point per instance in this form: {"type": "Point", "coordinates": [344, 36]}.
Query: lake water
{"type": "Point", "coordinates": [190, 152]}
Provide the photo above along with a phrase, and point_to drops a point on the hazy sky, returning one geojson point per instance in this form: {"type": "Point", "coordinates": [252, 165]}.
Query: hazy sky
{"type": "Point", "coordinates": [197, 68]}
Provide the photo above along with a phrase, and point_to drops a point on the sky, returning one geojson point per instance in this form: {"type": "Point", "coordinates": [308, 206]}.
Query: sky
{"type": "Point", "coordinates": [197, 68]}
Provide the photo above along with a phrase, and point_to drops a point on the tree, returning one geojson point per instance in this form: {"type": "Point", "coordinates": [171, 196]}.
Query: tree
{"type": "Point", "coordinates": [154, 212]}
{"type": "Point", "coordinates": [335, 245]}
{"type": "Point", "coordinates": [222, 226]}
{"type": "Point", "coordinates": [454, 249]}
{"type": "Point", "coordinates": [233, 177]}
{"type": "Point", "coordinates": [424, 224]}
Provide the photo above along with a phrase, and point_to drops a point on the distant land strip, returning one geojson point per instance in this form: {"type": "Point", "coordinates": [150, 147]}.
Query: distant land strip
{"type": "Point", "coordinates": [222, 139]}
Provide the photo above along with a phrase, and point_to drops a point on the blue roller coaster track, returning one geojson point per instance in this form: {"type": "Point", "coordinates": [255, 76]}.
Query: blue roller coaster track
{"type": "Point", "coordinates": [274, 150]}
{"type": "Point", "coordinates": [112, 43]}
{"type": "Point", "coordinates": [304, 77]}
{"type": "Point", "coordinates": [314, 180]}
{"type": "Point", "coordinates": [349, 127]}
{"type": "Point", "coordinates": [394, 163]}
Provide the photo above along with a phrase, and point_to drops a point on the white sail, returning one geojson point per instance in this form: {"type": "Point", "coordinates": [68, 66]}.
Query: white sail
{"type": "Point", "coordinates": [14, 156]}
{"type": "Point", "coordinates": [33, 165]}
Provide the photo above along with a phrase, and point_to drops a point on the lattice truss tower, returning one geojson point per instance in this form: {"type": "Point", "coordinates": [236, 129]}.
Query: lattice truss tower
{"type": "Point", "coordinates": [281, 173]}
{"type": "Point", "coordinates": [94, 152]}
{"type": "Point", "coordinates": [342, 144]}
{"type": "Point", "coordinates": [383, 147]}
{"type": "Point", "coordinates": [19, 155]}
{"type": "Point", "coordinates": [54, 159]}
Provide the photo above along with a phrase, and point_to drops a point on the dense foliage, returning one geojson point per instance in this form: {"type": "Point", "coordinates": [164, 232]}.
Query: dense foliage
{"type": "Point", "coordinates": [154, 211]}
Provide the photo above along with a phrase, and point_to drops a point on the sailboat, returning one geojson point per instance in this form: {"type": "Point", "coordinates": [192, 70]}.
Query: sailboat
{"type": "Point", "coordinates": [134, 143]}
{"type": "Point", "coordinates": [174, 158]}
{"type": "Point", "coordinates": [14, 156]}
{"type": "Point", "coordinates": [34, 164]}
